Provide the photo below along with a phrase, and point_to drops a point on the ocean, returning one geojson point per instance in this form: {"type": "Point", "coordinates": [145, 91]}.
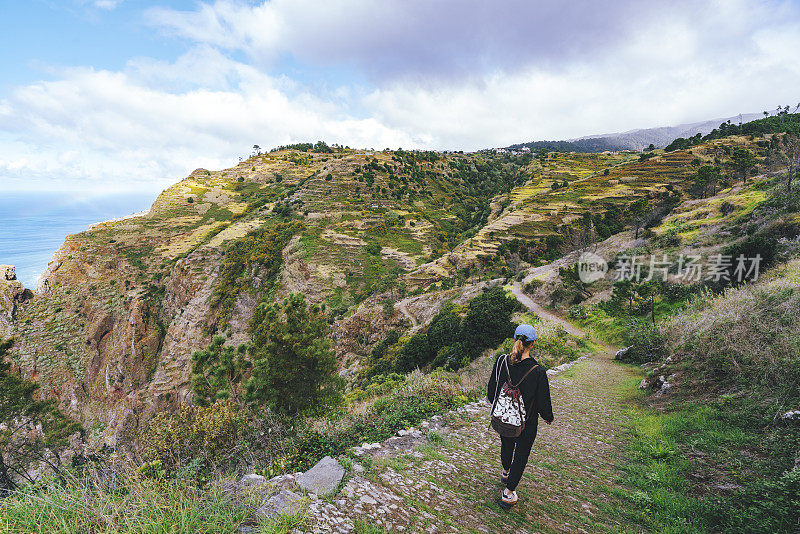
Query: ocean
{"type": "Point", "coordinates": [33, 225]}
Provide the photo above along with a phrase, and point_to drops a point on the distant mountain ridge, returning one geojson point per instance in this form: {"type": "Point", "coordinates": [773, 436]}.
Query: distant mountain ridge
{"type": "Point", "coordinates": [634, 139]}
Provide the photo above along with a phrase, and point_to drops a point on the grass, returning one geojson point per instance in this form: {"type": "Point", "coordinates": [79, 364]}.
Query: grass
{"type": "Point", "coordinates": [284, 524]}
{"type": "Point", "coordinates": [140, 507]}
{"type": "Point", "coordinates": [705, 467]}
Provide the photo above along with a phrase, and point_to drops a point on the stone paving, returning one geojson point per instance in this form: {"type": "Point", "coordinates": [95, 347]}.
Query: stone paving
{"type": "Point", "coordinates": [444, 476]}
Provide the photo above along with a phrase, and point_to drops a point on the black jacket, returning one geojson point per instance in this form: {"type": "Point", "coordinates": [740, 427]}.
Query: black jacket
{"type": "Point", "coordinates": [535, 388]}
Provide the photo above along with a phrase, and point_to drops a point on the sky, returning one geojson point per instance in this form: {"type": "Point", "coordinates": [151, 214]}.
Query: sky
{"type": "Point", "coordinates": [121, 95]}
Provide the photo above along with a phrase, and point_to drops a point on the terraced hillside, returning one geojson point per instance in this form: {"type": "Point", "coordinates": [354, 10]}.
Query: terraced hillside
{"type": "Point", "coordinates": [123, 306]}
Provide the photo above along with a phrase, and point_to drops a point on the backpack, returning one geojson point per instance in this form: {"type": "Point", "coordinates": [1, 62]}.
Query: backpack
{"type": "Point", "coordinates": [508, 409]}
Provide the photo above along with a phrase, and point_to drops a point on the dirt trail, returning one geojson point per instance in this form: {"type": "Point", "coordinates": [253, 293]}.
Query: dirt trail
{"type": "Point", "coordinates": [402, 305]}
{"type": "Point", "coordinates": [447, 479]}
{"type": "Point", "coordinates": [544, 314]}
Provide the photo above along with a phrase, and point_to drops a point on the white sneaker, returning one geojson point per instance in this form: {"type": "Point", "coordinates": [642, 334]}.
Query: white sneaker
{"type": "Point", "coordinates": [508, 499]}
{"type": "Point", "coordinates": [504, 475]}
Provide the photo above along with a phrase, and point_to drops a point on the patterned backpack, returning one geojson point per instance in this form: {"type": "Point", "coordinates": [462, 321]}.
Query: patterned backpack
{"type": "Point", "coordinates": [508, 410]}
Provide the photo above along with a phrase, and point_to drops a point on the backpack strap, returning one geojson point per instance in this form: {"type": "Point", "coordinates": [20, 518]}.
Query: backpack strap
{"type": "Point", "coordinates": [523, 376]}
{"type": "Point", "coordinates": [497, 386]}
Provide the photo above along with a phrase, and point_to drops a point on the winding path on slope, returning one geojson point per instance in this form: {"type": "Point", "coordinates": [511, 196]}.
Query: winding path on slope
{"type": "Point", "coordinates": [544, 314]}
{"type": "Point", "coordinates": [449, 480]}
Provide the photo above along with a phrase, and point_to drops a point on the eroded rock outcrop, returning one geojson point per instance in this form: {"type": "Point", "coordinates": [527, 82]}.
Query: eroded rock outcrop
{"type": "Point", "coordinates": [13, 296]}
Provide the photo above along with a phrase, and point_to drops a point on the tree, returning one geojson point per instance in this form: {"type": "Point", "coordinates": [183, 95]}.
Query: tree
{"type": "Point", "coordinates": [294, 368]}
{"type": "Point", "coordinates": [706, 179]}
{"type": "Point", "coordinates": [637, 211]}
{"type": "Point", "coordinates": [32, 431]}
{"type": "Point", "coordinates": [415, 353]}
{"type": "Point", "coordinates": [217, 372]}
{"type": "Point", "coordinates": [570, 277]}
{"type": "Point", "coordinates": [743, 160]}
{"type": "Point", "coordinates": [445, 328]}
{"type": "Point", "coordinates": [488, 320]}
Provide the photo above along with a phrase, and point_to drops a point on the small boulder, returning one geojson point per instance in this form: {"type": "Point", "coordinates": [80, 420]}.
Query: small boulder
{"type": "Point", "coordinates": [323, 478]}
{"type": "Point", "coordinates": [284, 503]}
{"type": "Point", "coordinates": [282, 481]}
{"type": "Point", "coordinates": [792, 415]}
{"type": "Point", "coordinates": [622, 352]}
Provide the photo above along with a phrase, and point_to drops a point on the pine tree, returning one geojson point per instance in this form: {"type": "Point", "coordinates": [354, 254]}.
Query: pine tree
{"type": "Point", "coordinates": [294, 368]}
{"type": "Point", "coordinates": [31, 431]}
{"type": "Point", "coordinates": [217, 372]}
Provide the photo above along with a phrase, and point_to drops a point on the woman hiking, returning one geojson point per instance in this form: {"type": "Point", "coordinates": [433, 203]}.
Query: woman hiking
{"type": "Point", "coordinates": [519, 392]}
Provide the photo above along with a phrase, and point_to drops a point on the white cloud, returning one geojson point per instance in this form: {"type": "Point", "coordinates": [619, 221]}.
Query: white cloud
{"type": "Point", "coordinates": [440, 75]}
{"type": "Point", "coordinates": [106, 4]}
{"type": "Point", "coordinates": [125, 127]}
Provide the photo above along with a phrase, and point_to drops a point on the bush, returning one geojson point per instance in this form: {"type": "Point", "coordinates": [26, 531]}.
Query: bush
{"type": "Point", "coordinates": [444, 329]}
{"type": "Point", "coordinates": [646, 343]}
{"type": "Point", "coordinates": [450, 357]}
{"type": "Point", "coordinates": [373, 248]}
{"type": "Point", "coordinates": [210, 436]}
{"type": "Point", "coordinates": [532, 286]}
{"type": "Point", "coordinates": [750, 247]}
{"type": "Point", "coordinates": [419, 398]}
{"type": "Point", "coordinates": [415, 353]}
{"type": "Point", "coordinates": [746, 336]}
{"type": "Point", "coordinates": [32, 431]}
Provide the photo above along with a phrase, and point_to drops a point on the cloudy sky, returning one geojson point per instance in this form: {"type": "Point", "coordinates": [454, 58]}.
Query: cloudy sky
{"type": "Point", "coordinates": [134, 94]}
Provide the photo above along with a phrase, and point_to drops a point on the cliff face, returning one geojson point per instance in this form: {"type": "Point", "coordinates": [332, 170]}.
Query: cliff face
{"type": "Point", "coordinates": [123, 306]}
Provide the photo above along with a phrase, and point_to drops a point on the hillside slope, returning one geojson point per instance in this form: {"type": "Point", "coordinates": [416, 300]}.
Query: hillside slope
{"type": "Point", "coordinates": [123, 306]}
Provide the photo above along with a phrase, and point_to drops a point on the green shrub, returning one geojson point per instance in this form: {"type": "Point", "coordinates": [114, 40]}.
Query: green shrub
{"type": "Point", "coordinates": [533, 285]}
{"type": "Point", "coordinates": [444, 329]}
{"type": "Point", "coordinates": [488, 320]}
{"type": "Point", "coordinates": [415, 353]}
{"type": "Point", "coordinates": [745, 337]}
{"type": "Point", "coordinates": [208, 436]}
{"type": "Point", "coordinates": [646, 343]}
{"type": "Point", "coordinates": [419, 398]}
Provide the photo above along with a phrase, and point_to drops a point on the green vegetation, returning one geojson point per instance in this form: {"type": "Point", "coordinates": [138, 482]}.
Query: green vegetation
{"type": "Point", "coordinates": [259, 253]}
{"type": "Point", "coordinates": [449, 341]}
{"type": "Point", "coordinates": [294, 368]}
{"type": "Point", "coordinates": [720, 465]}
{"type": "Point", "coordinates": [217, 371]}
{"type": "Point", "coordinates": [131, 505]}
{"type": "Point", "coordinates": [32, 432]}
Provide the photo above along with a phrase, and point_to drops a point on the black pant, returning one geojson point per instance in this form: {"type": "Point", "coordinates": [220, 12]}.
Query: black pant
{"type": "Point", "coordinates": [514, 453]}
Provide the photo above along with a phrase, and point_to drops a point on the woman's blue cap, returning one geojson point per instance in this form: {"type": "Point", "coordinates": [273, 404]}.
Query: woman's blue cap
{"type": "Point", "coordinates": [526, 332]}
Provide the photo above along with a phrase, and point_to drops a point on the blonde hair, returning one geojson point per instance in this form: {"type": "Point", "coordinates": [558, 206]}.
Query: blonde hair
{"type": "Point", "coordinates": [516, 352]}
